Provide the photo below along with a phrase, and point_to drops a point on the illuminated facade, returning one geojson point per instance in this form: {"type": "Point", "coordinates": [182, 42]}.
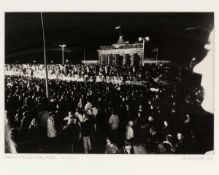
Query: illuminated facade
{"type": "Point", "coordinates": [121, 53]}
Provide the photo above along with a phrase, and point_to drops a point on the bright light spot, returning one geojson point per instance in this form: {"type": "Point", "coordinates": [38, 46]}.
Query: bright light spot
{"type": "Point", "coordinates": [140, 39]}
{"type": "Point", "coordinates": [147, 38]}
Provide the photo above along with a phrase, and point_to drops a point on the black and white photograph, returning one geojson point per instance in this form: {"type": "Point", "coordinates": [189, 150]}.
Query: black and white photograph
{"type": "Point", "coordinates": [109, 83]}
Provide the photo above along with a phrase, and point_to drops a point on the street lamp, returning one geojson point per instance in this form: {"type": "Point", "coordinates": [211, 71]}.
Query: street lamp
{"type": "Point", "coordinates": [143, 39]}
{"type": "Point", "coordinates": [120, 30]}
{"type": "Point", "coordinates": [63, 49]}
{"type": "Point", "coordinates": [147, 38]}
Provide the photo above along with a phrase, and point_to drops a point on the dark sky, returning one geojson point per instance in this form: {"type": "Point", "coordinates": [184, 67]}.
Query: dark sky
{"type": "Point", "coordinates": [87, 31]}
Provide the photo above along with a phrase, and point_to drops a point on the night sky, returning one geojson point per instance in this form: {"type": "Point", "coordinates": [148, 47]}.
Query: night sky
{"type": "Point", "coordinates": [179, 36]}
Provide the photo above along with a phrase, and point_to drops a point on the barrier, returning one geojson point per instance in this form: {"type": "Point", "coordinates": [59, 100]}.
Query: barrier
{"type": "Point", "coordinates": [77, 78]}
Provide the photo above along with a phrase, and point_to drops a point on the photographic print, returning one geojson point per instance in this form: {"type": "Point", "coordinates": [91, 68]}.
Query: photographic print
{"type": "Point", "coordinates": [109, 83]}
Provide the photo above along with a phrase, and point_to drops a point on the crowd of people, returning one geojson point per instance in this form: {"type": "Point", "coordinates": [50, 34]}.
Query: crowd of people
{"type": "Point", "coordinates": [102, 117]}
{"type": "Point", "coordinates": [99, 73]}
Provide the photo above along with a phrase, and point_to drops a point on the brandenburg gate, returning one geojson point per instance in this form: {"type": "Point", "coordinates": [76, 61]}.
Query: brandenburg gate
{"type": "Point", "coordinates": [121, 53]}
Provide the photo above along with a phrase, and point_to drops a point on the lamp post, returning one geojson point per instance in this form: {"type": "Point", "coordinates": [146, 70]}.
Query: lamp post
{"type": "Point", "coordinates": [63, 49]}
{"type": "Point", "coordinates": [120, 33]}
{"type": "Point", "coordinates": [84, 54]}
{"type": "Point", "coordinates": [44, 55]}
{"type": "Point", "coordinates": [143, 39]}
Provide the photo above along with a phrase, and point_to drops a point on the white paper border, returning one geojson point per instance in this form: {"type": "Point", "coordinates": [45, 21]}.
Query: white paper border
{"type": "Point", "coordinates": [101, 164]}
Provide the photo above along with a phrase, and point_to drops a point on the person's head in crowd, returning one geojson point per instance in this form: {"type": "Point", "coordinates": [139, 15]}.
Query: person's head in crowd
{"type": "Point", "coordinates": [166, 148]}
{"type": "Point", "coordinates": [150, 118]}
{"type": "Point", "coordinates": [74, 120]}
{"type": "Point", "coordinates": [70, 114]}
{"type": "Point", "coordinates": [85, 117]}
{"type": "Point", "coordinates": [77, 110]}
{"type": "Point", "coordinates": [123, 98]}
{"type": "Point", "coordinates": [173, 110]}
{"type": "Point", "coordinates": [152, 130]}
{"type": "Point", "coordinates": [17, 116]}
{"type": "Point", "coordinates": [127, 107]}
{"type": "Point", "coordinates": [88, 105]}
{"type": "Point", "coordinates": [130, 123]}
{"type": "Point", "coordinates": [25, 114]}
{"type": "Point", "coordinates": [52, 115]}
{"type": "Point", "coordinates": [165, 123]}
{"type": "Point", "coordinates": [90, 112]}
{"type": "Point", "coordinates": [140, 108]}
{"type": "Point", "coordinates": [56, 112]}
{"type": "Point", "coordinates": [169, 138]}
{"type": "Point", "coordinates": [187, 118]}
{"type": "Point", "coordinates": [139, 114]}
{"type": "Point", "coordinates": [33, 123]}
{"type": "Point", "coordinates": [57, 106]}
{"type": "Point", "coordinates": [179, 136]}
